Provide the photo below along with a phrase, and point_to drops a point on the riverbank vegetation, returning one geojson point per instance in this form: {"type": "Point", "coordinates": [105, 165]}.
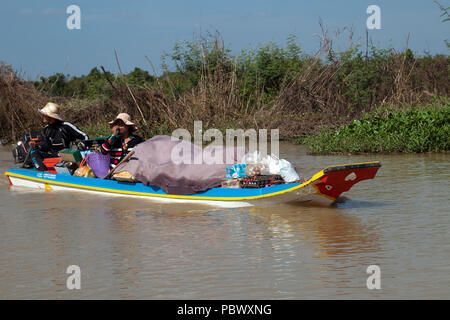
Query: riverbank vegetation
{"type": "Point", "coordinates": [387, 129]}
{"type": "Point", "coordinates": [270, 86]}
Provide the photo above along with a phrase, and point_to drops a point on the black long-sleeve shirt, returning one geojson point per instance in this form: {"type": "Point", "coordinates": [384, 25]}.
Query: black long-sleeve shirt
{"type": "Point", "coordinates": [60, 134]}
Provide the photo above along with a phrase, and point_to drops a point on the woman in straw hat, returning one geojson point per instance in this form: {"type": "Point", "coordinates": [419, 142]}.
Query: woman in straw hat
{"type": "Point", "coordinates": [58, 135]}
{"type": "Point", "coordinates": [122, 140]}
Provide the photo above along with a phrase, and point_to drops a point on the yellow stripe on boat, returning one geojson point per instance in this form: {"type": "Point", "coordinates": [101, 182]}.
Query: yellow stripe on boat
{"type": "Point", "coordinates": [78, 186]}
{"type": "Point", "coordinates": [315, 177]}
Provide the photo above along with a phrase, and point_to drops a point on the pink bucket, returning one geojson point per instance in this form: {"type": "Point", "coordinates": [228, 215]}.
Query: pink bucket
{"type": "Point", "coordinates": [99, 163]}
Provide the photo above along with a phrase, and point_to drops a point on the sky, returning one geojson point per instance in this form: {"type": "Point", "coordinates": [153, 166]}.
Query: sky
{"type": "Point", "coordinates": [36, 41]}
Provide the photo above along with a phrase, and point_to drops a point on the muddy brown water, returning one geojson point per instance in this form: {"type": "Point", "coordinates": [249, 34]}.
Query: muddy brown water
{"type": "Point", "coordinates": [137, 249]}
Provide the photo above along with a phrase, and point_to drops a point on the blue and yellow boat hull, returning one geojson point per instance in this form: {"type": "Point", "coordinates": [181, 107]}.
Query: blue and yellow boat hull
{"type": "Point", "coordinates": [324, 187]}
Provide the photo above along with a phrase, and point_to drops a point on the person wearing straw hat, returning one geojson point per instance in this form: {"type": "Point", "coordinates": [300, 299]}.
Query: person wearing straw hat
{"type": "Point", "coordinates": [58, 135]}
{"type": "Point", "coordinates": [58, 132]}
{"type": "Point", "coordinates": [123, 140]}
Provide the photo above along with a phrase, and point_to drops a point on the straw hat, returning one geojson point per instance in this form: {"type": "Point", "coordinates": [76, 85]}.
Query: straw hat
{"type": "Point", "coordinates": [125, 117]}
{"type": "Point", "coordinates": [51, 110]}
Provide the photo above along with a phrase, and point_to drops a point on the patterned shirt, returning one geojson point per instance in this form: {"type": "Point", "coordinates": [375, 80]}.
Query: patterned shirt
{"type": "Point", "coordinates": [118, 148]}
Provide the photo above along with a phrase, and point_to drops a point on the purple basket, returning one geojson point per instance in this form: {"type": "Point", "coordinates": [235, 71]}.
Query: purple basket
{"type": "Point", "coordinates": [99, 163]}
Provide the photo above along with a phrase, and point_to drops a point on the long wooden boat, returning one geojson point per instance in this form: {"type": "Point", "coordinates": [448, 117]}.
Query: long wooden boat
{"type": "Point", "coordinates": [324, 187]}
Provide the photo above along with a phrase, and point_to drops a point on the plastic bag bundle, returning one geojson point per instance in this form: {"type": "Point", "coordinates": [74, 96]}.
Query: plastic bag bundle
{"type": "Point", "coordinates": [273, 164]}
{"type": "Point", "coordinates": [287, 171]}
{"type": "Point", "coordinates": [236, 171]}
{"type": "Point", "coordinates": [269, 165]}
{"type": "Point", "coordinates": [84, 171]}
{"type": "Point", "coordinates": [254, 169]}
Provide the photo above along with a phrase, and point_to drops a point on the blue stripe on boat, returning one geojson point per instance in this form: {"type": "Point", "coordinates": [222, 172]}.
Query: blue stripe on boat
{"type": "Point", "coordinates": [139, 187]}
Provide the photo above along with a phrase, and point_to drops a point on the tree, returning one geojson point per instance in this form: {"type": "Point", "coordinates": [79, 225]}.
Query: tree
{"type": "Point", "coordinates": [446, 17]}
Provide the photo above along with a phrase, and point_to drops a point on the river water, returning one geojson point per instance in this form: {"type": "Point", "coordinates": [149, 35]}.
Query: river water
{"type": "Point", "coordinates": [136, 249]}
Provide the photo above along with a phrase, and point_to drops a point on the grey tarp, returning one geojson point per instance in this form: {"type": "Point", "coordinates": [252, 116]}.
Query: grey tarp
{"type": "Point", "coordinates": [153, 164]}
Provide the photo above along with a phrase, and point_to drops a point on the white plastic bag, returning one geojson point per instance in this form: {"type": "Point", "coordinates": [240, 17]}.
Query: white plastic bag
{"type": "Point", "coordinates": [287, 171]}
{"type": "Point", "coordinates": [273, 164]}
{"type": "Point", "coordinates": [269, 163]}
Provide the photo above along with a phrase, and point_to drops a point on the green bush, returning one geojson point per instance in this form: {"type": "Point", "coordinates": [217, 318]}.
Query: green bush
{"type": "Point", "coordinates": [414, 129]}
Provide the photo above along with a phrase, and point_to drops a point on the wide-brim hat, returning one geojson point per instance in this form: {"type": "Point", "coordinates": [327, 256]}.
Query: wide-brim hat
{"type": "Point", "coordinates": [125, 117]}
{"type": "Point", "coordinates": [51, 110]}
